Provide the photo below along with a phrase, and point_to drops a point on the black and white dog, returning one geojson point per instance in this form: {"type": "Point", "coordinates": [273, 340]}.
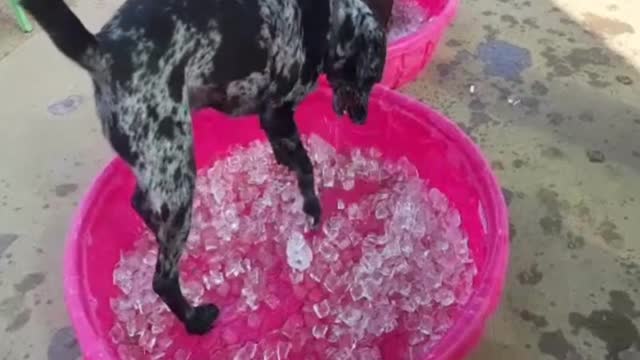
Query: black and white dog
{"type": "Point", "coordinates": [156, 60]}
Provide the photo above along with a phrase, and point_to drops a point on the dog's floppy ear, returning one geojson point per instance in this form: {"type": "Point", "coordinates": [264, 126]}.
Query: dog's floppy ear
{"type": "Point", "coordinates": [382, 10]}
{"type": "Point", "coordinates": [372, 46]}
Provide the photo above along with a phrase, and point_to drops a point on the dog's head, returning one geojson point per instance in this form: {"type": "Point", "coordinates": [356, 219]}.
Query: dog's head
{"type": "Point", "coordinates": [355, 58]}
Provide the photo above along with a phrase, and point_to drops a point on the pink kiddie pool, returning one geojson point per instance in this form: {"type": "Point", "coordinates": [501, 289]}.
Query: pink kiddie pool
{"type": "Point", "coordinates": [409, 55]}
{"type": "Point", "coordinates": [411, 48]}
{"type": "Point", "coordinates": [105, 224]}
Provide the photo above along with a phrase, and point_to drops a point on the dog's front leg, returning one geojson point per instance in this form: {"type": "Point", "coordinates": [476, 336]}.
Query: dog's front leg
{"type": "Point", "coordinates": [281, 129]}
{"type": "Point", "coordinates": [163, 198]}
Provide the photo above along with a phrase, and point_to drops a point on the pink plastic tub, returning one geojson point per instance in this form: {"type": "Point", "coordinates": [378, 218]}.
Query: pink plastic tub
{"type": "Point", "coordinates": [105, 223]}
{"type": "Point", "coordinates": [408, 56]}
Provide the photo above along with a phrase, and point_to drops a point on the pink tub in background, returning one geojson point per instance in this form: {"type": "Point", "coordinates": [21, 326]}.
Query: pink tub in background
{"type": "Point", "coordinates": [409, 56]}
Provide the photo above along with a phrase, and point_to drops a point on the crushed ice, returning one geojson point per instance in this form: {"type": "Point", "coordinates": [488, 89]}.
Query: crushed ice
{"type": "Point", "coordinates": [389, 259]}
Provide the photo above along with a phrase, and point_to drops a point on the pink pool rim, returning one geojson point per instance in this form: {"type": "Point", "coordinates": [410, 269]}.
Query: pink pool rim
{"type": "Point", "coordinates": [105, 224]}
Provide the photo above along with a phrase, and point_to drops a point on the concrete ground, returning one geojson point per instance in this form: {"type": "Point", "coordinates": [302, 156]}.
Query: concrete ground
{"type": "Point", "coordinates": [550, 90]}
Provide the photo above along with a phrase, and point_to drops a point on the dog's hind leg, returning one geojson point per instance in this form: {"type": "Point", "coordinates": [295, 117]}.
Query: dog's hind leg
{"type": "Point", "coordinates": [289, 151]}
{"type": "Point", "coordinates": [165, 172]}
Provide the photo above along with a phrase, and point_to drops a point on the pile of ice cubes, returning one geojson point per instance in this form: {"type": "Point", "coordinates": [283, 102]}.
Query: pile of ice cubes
{"type": "Point", "coordinates": [389, 260]}
{"type": "Point", "coordinates": [406, 17]}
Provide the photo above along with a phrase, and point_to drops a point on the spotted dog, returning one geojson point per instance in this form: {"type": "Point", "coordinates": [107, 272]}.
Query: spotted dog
{"type": "Point", "coordinates": [156, 61]}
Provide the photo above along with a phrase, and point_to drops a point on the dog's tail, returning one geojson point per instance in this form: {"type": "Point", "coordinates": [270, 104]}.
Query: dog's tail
{"type": "Point", "coordinates": [66, 31]}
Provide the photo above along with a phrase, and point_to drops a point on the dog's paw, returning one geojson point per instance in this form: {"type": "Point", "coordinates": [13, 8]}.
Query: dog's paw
{"type": "Point", "coordinates": [312, 208]}
{"type": "Point", "coordinates": [201, 320]}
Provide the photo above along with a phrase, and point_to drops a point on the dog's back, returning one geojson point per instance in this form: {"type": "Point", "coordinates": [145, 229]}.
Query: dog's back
{"type": "Point", "coordinates": [244, 49]}
{"type": "Point", "coordinates": [199, 35]}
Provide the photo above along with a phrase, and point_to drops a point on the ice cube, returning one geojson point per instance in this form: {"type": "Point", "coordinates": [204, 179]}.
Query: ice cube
{"type": "Point", "coordinates": [218, 190]}
{"type": "Point", "coordinates": [319, 331]}
{"type": "Point", "coordinates": [117, 334]}
{"type": "Point", "coordinates": [163, 343]}
{"type": "Point", "coordinates": [331, 227]}
{"type": "Point", "coordinates": [322, 309]}
{"type": "Point", "coordinates": [182, 354]}
{"type": "Point", "coordinates": [296, 277]}
{"type": "Point", "coordinates": [416, 338]}
{"type": "Point", "coordinates": [247, 352]}
{"type": "Point", "coordinates": [367, 353]}
{"type": "Point", "coordinates": [391, 249]}
{"type": "Point", "coordinates": [233, 164]}
{"type": "Point", "coordinates": [342, 354]}
{"type": "Point", "coordinates": [348, 184]}
{"type": "Point", "coordinates": [382, 211]}
{"type": "Point", "coordinates": [426, 325]}
{"type": "Point", "coordinates": [159, 323]}
{"type": "Point", "coordinates": [328, 252]}
{"type": "Point", "coordinates": [438, 200]}
{"type": "Point", "coordinates": [150, 258]}
{"type": "Point", "coordinates": [233, 266]}
{"type": "Point", "coordinates": [135, 325]}
{"type": "Point", "coordinates": [283, 349]}
{"type": "Point", "coordinates": [321, 150]}
{"type": "Point", "coordinates": [371, 261]}
{"type": "Point", "coordinates": [317, 272]}
{"type": "Point", "coordinates": [272, 301]}
{"type": "Point", "coordinates": [444, 296]}
{"type": "Point", "coordinates": [370, 287]}
{"type": "Point", "coordinates": [350, 316]}
{"type": "Point", "coordinates": [357, 291]}
{"type": "Point", "coordinates": [122, 279]}
{"type": "Point", "coordinates": [292, 326]}
{"type": "Point", "coordinates": [158, 355]}
{"type": "Point", "coordinates": [212, 279]}
{"type": "Point", "coordinates": [354, 212]}
{"type": "Point", "coordinates": [299, 254]}
{"type": "Point", "coordinates": [147, 341]}
{"type": "Point", "coordinates": [376, 239]}
{"type": "Point", "coordinates": [193, 291]}
{"type": "Point", "coordinates": [453, 218]}
{"type": "Point", "coordinates": [250, 298]}
{"type": "Point", "coordinates": [332, 282]}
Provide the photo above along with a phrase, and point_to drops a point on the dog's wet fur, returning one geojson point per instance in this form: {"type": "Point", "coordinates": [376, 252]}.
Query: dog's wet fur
{"type": "Point", "coordinates": [156, 61]}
